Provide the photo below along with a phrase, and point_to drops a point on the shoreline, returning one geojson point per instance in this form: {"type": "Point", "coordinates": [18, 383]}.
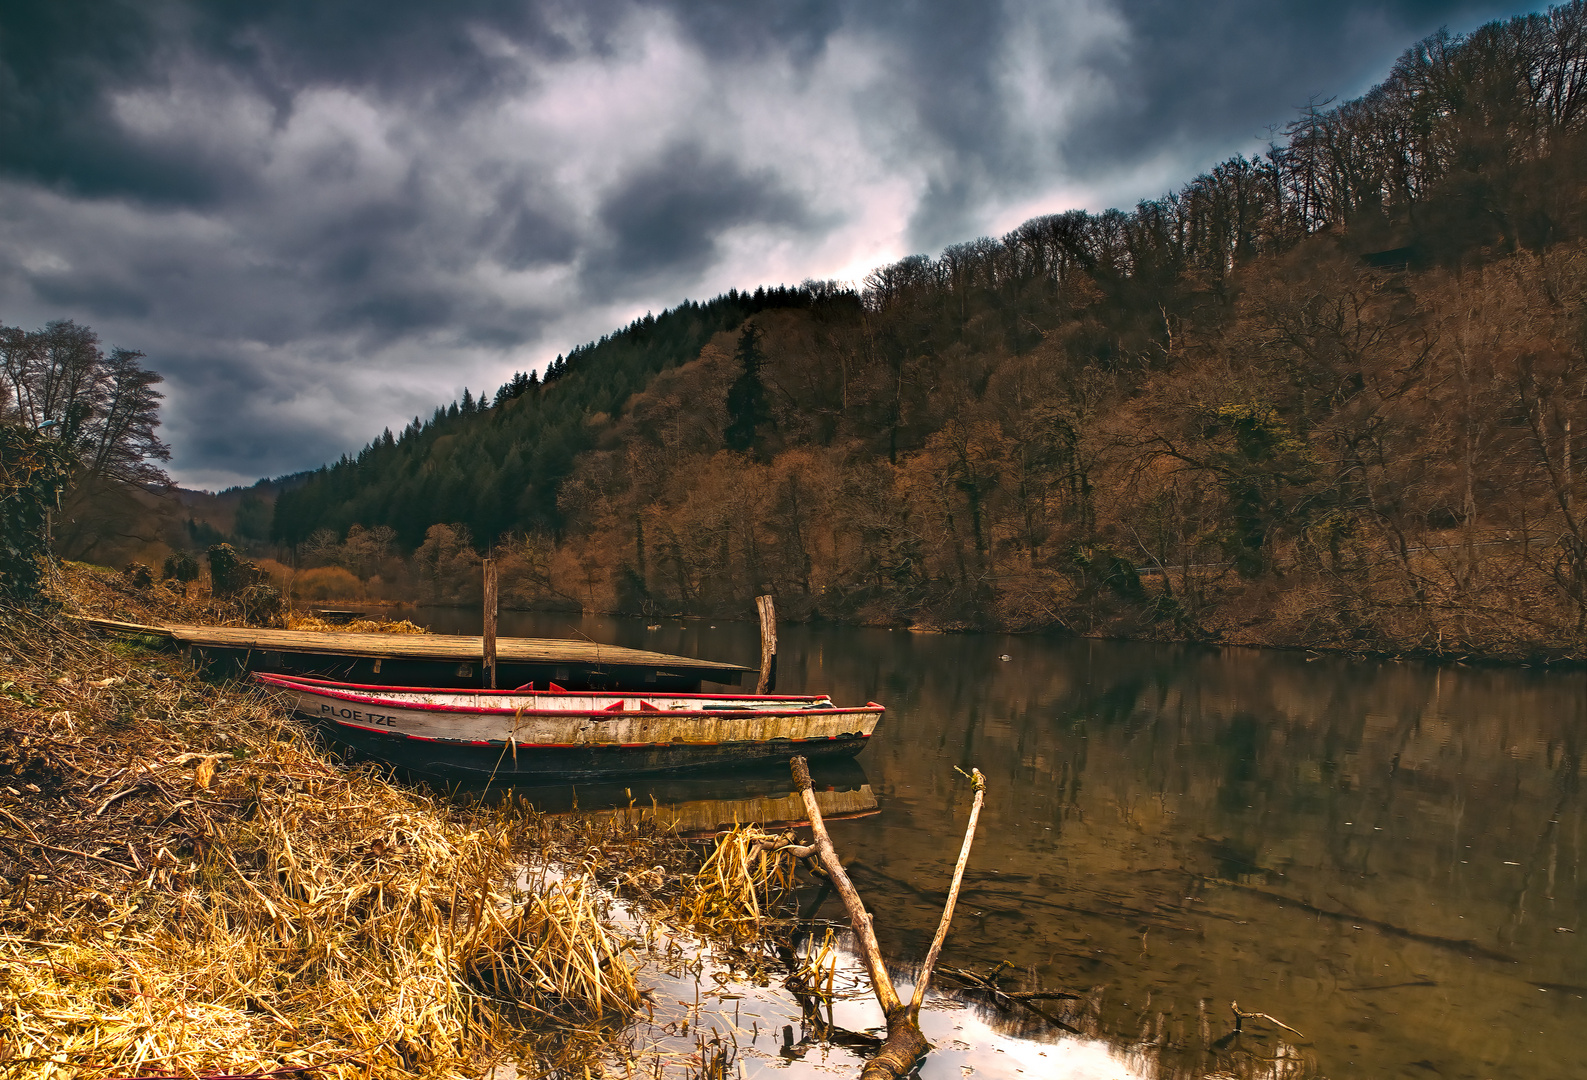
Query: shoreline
{"type": "Point", "coordinates": [193, 883]}
{"type": "Point", "coordinates": [1534, 660]}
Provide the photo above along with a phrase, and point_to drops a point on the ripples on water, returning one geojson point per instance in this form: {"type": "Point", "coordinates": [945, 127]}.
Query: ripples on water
{"type": "Point", "coordinates": [1384, 856]}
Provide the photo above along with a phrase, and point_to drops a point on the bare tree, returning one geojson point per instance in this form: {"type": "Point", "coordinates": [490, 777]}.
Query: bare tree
{"type": "Point", "coordinates": [102, 409]}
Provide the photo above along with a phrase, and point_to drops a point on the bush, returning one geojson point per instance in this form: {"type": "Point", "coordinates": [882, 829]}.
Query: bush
{"type": "Point", "coordinates": [327, 583]}
{"type": "Point", "coordinates": [179, 566]}
{"type": "Point", "coordinates": [232, 577]}
{"type": "Point", "coordinates": [34, 470]}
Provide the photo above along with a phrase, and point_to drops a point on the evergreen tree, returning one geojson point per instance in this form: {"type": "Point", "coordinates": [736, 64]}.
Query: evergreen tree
{"type": "Point", "coordinates": [746, 398]}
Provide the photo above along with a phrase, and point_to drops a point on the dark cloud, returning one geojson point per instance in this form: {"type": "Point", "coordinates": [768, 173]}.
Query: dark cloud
{"type": "Point", "coordinates": [97, 297]}
{"type": "Point", "coordinates": [524, 235]}
{"type": "Point", "coordinates": [319, 218]}
{"type": "Point", "coordinates": [666, 217]}
{"type": "Point", "coordinates": [1227, 69]}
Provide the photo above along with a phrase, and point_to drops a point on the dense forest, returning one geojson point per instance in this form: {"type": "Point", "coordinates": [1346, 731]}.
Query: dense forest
{"type": "Point", "coordinates": [1329, 396]}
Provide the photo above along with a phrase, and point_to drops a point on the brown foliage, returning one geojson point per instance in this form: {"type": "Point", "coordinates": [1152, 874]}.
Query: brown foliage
{"type": "Point", "coordinates": [1341, 457]}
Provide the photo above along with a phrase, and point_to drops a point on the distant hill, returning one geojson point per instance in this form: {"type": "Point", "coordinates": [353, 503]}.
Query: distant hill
{"type": "Point", "coordinates": [241, 514]}
{"type": "Point", "coordinates": [1328, 396]}
{"type": "Point", "coordinates": [496, 466]}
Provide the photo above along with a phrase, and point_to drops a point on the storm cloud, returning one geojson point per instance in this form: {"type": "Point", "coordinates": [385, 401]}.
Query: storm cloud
{"type": "Point", "coordinates": [319, 219]}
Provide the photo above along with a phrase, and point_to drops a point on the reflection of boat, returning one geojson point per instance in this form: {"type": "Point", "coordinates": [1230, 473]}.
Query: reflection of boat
{"type": "Point", "coordinates": [575, 735]}
{"type": "Point", "coordinates": [700, 806]}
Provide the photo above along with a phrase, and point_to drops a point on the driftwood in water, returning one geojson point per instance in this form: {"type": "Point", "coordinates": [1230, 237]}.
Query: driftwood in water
{"type": "Point", "coordinates": [1006, 1000]}
{"type": "Point", "coordinates": [905, 1044]}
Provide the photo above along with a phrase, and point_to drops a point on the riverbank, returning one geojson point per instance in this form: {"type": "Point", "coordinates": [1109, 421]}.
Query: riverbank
{"type": "Point", "coordinates": [192, 885]}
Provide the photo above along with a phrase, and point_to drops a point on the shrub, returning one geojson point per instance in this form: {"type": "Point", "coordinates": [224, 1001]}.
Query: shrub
{"type": "Point", "coordinates": [34, 470]}
{"type": "Point", "coordinates": [327, 583]}
{"type": "Point", "coordinates": [232, 577]}
{"type": "Point", "coordinates": [179, 566]}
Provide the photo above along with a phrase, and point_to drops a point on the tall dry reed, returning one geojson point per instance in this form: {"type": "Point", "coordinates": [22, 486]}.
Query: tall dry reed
{"type": "Point", "coordinates": [190, 885]}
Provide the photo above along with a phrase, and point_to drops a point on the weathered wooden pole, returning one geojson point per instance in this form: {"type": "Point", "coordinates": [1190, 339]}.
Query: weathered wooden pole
{"type": "Point", "coordinates": [935, 951]}
{"type": "Point", "coordinates": [768, 645]}
{"type": "Point", "coordinates": [491, 607]}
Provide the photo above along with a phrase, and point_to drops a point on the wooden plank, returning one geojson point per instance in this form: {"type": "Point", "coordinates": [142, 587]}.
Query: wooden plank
{"type": "Point", "coordinates": [448, 647]}
{"type": "Point", "coordinates": [117, 626]}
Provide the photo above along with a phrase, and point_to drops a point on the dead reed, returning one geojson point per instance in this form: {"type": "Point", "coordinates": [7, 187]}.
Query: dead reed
{"type": "Point", "coordinates": [190, 886]}
{"type": "Point", "coordinates": [296, 620]}
{"type": "Point", "coordinates": [738, 887]}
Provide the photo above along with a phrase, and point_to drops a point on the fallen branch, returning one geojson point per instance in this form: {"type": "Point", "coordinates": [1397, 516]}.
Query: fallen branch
{"type": "Point", "coordinates": [1240, 1017]}
{"type": "Point", "coordinates": [81, 855]}
{"type": "Point", "coordinates": [1006, 999]}
{"type": "Point", "coordinates": [983, 982]}
{"type": "Point", "coordinates": [905, 1044]}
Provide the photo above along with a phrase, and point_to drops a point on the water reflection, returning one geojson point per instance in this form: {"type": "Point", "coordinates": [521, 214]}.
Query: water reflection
{"type": "Point", "coordinates": [694, 805]}
{"type": "Point", "coordinates": [1387, 857]}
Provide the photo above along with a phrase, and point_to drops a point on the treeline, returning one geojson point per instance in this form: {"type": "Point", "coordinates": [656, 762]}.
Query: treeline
{"type": "Point", "coordinates": [1332, 396]}
{"type": "Point", "coordinates": [495, 466]}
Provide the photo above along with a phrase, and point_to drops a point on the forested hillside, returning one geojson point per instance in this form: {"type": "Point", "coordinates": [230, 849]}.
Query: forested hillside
{"type": "Point", "coordinates": [1331, 396]}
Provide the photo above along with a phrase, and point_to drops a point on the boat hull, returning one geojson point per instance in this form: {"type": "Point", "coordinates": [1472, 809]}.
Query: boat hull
{"type": "Point", "coordinates": [442, 759]}
{"type": "Point", "coordinates": [575, 736]}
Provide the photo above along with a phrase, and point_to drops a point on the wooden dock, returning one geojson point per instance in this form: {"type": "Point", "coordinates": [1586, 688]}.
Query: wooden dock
{"type": "Point", "coordinates": [431, 659]}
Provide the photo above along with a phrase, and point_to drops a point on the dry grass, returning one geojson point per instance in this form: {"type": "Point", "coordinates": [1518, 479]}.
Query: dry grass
{"type": "Point", "coordinates": [739, 886]}
{"type": "Point", "coordinates": [555, 943]}
{"type": "Point", "coordinates": [189, 886]}
{"type": "Point", "coordinates": [299, 621]}
{"type": "Point", "coordinates": [92, 590]}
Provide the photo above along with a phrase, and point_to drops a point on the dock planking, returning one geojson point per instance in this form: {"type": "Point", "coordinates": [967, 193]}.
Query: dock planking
{"type": "Point", "coordinates": [431, 659]}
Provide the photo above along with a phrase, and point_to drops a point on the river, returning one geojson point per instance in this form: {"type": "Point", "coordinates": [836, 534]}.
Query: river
{"type": "Point", "coordinates": [1384, 856]}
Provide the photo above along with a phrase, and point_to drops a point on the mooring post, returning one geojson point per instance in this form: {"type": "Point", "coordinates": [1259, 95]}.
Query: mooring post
{"type": "Point", "coordinates": [768, 645]}
{"type": "Point", "coordinates": [491, 605]}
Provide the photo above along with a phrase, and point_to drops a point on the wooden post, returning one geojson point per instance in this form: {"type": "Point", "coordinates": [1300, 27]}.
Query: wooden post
{"type": "Point", "coordinates": [768, 645]}
{"type": "Point", "coordinates": [491, 607]}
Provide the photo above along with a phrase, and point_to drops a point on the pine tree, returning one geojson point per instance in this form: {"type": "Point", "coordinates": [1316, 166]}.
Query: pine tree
{"type": "Point", "coordinates": [746, 398]}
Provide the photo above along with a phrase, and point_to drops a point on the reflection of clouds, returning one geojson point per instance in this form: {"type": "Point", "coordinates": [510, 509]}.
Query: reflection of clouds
{"type": "Point", "coordinates": [753, 1017]}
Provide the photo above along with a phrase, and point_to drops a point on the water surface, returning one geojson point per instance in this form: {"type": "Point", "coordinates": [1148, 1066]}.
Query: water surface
{"type": "Point", "coordinates": [1387, 857]}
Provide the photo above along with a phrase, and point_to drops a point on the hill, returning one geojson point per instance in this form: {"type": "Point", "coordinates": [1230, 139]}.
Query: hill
{"type": "Point", "coordinates": [1329, 396]}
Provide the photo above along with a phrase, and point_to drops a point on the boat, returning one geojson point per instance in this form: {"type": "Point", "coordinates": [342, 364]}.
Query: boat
{"type": "Point", "coordinates": [554, 732]}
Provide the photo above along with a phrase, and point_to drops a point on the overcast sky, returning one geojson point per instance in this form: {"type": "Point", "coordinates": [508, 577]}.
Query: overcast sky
{"type": "Point", "coordinates": [319, 218]}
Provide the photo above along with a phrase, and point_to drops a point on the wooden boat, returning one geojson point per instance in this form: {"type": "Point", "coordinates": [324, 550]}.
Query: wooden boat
{"type": "Point", "coordinates": [557, 733]}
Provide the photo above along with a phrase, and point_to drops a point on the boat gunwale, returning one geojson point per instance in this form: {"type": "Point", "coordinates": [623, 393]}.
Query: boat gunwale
{"type": "Point", "coordinates": [337, 684]}
{"type": "Point", "coordinates": [332, 691]}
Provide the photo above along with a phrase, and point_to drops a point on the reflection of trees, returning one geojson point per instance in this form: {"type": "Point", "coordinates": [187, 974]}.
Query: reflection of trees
{"type": "Point", "coordinates": [1152, 881]}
